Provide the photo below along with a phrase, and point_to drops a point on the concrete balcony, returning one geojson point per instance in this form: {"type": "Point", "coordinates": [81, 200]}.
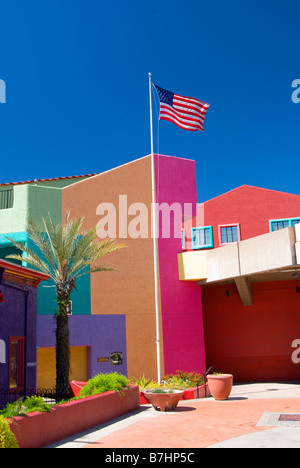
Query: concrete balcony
{"type": "Point", "coordinates": [269, 257]}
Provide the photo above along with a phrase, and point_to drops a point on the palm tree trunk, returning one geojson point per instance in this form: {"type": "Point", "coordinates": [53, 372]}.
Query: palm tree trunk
{"type": "Point", "coordinates": [63, 291]}
{"type": "Point", "coordinates": [62, 339]}
{"type": "Point", "coordinates": [62, 356]}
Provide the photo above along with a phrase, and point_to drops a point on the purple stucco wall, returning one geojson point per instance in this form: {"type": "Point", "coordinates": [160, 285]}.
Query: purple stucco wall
{"type": "Point", "coordinates": [104, 334]}
{"type": "Point", "coordinates": [18, 318]}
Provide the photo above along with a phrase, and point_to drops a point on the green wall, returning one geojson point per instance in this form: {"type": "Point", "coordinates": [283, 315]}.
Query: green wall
{"type": "Point", "coordinates": [37, 201]}
{"type": "Point", "coordinates": [31, 201]}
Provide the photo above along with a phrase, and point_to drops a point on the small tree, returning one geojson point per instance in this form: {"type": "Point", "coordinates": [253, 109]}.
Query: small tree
{"type": "Point", "coordinates": [64, 253]}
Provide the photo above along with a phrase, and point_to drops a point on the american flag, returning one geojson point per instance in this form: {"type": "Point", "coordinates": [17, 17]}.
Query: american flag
{"type": "Point", "coordinates": [186, 112]}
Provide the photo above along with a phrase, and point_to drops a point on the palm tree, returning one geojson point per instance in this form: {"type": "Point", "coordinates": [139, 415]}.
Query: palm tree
{"type": "Point", "coordinates": [64, 253]}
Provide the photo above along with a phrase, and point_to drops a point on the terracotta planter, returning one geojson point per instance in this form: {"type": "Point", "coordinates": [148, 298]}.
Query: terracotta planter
{"type": "Point", "coordinates": [164, 400]}
{"type": "Point", "coordinates": [220, 385]}
{"type": "Point", "coordinates": [188, 394]}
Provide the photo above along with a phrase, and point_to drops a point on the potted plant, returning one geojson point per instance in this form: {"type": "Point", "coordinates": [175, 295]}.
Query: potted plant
{"type": "Point", "coordinates": [220, 385]}
{"type": "Point", "coordinates": [162, 398]}
{"type": "Point", "coordinates": [192, 384]}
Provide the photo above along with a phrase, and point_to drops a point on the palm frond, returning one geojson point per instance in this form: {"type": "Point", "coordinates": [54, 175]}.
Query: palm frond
{"type": "Point", "coordinates": [61, 251]}
{"type": "Point", "coordinates": [31, 258]}
{"type": "Point", "coordinates": [95, 270]}
{"type": "Point", "coordinates": [39, 239]}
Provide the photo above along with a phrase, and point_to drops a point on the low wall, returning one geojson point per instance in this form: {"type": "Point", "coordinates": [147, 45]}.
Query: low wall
{"type": "Point", "coordinates": [37, 430]}
{"type": "Point", "coordinates": [196, 392]}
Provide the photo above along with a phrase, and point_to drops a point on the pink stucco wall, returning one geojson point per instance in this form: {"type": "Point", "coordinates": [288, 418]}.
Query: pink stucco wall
{"type": "Point", "coordinates": [181, 302]}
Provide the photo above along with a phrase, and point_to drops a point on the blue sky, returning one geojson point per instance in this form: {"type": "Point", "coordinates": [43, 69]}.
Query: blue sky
{"type": "Point", "coordinates": [77, 101]}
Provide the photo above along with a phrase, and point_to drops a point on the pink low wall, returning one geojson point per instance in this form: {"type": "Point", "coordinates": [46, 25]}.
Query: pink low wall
{"type": "Point", "coordinates": [193, 393]}
{"type": "Point", "coordinates": [37, 430]}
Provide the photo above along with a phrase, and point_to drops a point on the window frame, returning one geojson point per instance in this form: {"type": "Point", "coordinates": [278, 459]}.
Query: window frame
{"type": "Point", "coordinates": [6, 198]}
{"type": "Point", "coordinates": [205, 246]}
{"type": "Point", "coordinates": [220, 226]}
{"type": "Point", "coordinates": [183, 239]}
{"type": "Point", "coordinates": [282, 220]}
{"type": "Point", "coordinates": [20, 383]}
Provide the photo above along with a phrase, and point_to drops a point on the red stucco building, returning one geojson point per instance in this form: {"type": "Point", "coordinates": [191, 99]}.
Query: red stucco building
{"type": "Point", "coordinates": [248, 269]}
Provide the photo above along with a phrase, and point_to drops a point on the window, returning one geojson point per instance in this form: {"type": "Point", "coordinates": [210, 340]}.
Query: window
{"type": "Point", "coordinates": [276, 224]}
{"type": "Point", "coordinates": [6, 199]}
{"type": "Point", "coordinates": [202, 237]}
{"type": "Point", "coordinates": [16, 362]}
{"type": "Point", "coordinates": [229, 233]}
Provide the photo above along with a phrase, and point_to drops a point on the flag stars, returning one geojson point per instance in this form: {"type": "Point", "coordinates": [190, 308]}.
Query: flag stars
{"type": "Point", "coordinates": [164, 95]}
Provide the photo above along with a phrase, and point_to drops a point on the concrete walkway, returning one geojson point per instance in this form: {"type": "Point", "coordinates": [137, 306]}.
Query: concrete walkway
{"type": "Point", "coordinates": [250, 418]}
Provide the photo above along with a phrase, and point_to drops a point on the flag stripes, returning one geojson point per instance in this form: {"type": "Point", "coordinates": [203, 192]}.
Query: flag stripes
{"type": "Point", "coordinates": [186, 112]}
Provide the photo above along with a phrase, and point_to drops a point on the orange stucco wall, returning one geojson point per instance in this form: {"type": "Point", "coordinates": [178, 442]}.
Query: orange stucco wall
{"type": "Point", "coordinates": [46, 367]}
{"type": "Point", "coordinates": [130, 291]}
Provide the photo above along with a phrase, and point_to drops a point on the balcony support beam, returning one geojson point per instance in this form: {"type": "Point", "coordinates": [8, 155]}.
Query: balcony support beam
{"type": "Point", "coordinates": [244, 289]}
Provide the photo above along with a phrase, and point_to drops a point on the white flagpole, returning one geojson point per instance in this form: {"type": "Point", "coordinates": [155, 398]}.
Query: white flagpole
{"type": "Point", "coordinates": [154, 239]}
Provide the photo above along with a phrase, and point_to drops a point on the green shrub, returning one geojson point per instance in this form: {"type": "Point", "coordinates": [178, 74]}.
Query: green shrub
{"type": "Point", "coordinates": [144, 383]}
{"type": "Point", "coordinates": [161, 390]}
{"type": "Point", "coordinates": [104, 383]}
{"type": "Point", "coordinates": [181, 379]}
{"type": "Point", "coordinates": [22, 407]}
{"type": "Point", "coordinates": [7, 438]}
